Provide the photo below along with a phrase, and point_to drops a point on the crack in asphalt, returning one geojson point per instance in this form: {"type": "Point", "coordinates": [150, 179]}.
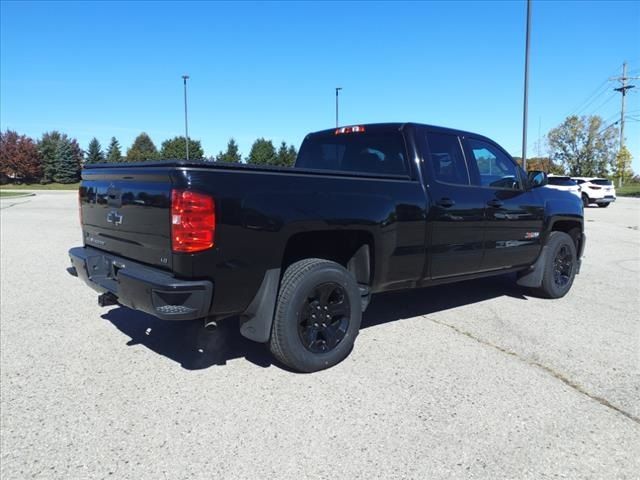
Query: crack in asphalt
{"type": "Point", "coordinates": [549, 370]}
{"type": "Point", "coordinates": [4, 207]}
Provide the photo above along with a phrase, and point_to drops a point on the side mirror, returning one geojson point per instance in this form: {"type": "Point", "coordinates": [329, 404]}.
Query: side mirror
{"type": "Point", "coordinates": [537, 178]}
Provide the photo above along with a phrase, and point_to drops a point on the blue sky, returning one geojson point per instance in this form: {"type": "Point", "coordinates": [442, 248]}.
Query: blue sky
{"type": "Point", "coordinates": [269, 69]}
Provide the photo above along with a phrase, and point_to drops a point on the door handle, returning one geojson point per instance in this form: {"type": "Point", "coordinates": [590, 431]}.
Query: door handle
{"type": "Point", "coordinates": [445, 202]}
{"type": "Point", "coordinates": [495, 203]}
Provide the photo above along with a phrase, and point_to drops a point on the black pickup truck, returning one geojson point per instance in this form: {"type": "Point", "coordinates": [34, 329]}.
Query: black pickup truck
{"type": "Point", "coordinates": [296, 253]}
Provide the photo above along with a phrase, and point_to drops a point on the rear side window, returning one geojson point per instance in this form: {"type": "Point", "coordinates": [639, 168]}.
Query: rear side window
{"type": "Point", "coordinates": [601, 181]}
{"type": "Point", "coordinates": [561, 181]}
{"type": "Point", "coordinates": [447, 160]}
{"type": "Point", "coordinates": [380, 153]}
{"type": "Point", "coordinates": [494, 167]}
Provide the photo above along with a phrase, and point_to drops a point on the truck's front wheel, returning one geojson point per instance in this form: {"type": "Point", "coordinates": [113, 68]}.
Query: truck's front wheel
{"type": "Point", "coordinates": [560, 266]}
{"type": "Point", "coordinates": [317, 316]}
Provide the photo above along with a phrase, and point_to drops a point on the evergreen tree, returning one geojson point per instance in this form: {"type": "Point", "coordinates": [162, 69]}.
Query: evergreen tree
{"type": "Point", "coordinates": [262, 153]}
{"type": "Point", "coordinates": [67, 165]}
{"type": "Point", "coordinates": [176, 148]}
{"type": "Point", "coordinates": [94, 152]}
{"type": "Point", "coordinates": [47, 147]}
{"type": "Point", "coordinates": [293, 155]}
{"type": "Point", "coordinates": [114, 155]}
{"type": "Point", "coordinates": [232, 155]}
{"type": "Point", "coordinates": [142, 149]}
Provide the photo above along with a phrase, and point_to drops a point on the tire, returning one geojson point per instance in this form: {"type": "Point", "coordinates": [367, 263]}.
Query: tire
{"type": "Point", "coordinates": [560, 266]}
{"type": "Point", "coordinates": [603, 205]}
{"type": "Point", "coordinates": [585, 200]}
{"type": "Point", "coordinates": [323, 290]}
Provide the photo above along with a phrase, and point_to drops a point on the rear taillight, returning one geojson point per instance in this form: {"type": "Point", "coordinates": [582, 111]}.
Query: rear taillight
{"type": "Point", "coordinates": [594, 187]}
{"type": "Point", "coordinates": [193, 221]}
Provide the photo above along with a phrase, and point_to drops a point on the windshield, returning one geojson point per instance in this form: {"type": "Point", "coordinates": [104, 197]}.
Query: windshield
{"type": "Point", "coordinates": [601, 181]}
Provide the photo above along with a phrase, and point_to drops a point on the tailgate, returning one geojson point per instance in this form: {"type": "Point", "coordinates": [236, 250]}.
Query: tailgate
{"type": "Point", "coordinates": [127, 211]}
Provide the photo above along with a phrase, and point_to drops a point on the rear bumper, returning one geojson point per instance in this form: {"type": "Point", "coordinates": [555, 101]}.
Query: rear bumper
{"type": "Point", "coordinates": [140, 287]}
{"type": "Point", "coordinates": [607, 199]}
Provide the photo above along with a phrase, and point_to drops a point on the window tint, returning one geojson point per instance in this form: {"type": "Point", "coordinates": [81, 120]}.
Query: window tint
{"type": "Point", "coordinates": [382, 153]}
{"type": "Point", "coordinates": [601, 181]}
{"type": "Point", "coordinates": [447, 160]}
{"type": "Point", "coordinates": [562, 181]}
{"type": "Point", "coordinates": [495, 169]}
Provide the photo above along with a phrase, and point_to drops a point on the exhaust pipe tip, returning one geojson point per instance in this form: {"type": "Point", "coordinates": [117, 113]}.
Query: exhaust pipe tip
{"type": "Point", "coordinates": [107, 299]}
{"type": "Point", "coordinates": [210, 325]}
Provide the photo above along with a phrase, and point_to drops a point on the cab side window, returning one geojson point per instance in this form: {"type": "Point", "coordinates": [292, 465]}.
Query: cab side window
{"type": "Point", "coordinates": [494, 168]}
{"type": "Point", "coordinates": [447, 160]}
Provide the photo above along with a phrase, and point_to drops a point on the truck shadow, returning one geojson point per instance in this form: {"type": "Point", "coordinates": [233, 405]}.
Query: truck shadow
{"type": "Point", "coordinates": [190, 345]}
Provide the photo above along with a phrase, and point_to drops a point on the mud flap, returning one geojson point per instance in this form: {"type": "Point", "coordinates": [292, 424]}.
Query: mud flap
{"type": "Point", "coordinates": [255, 322]}
{"type": "Point", "coordinates": [532, 277]}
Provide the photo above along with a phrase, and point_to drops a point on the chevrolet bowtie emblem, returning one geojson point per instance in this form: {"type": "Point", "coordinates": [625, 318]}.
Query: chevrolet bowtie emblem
{"type": "Point", "coordinates": [114, 217]}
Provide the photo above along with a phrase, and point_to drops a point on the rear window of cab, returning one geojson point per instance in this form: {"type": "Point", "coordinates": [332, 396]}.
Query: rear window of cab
{"type": "Point", "coordinates": [377, 153]}
{"type": "Point", "coordinates": [561, 181]}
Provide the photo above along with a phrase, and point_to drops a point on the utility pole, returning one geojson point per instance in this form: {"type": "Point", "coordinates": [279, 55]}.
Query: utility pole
{"type": "Point", "coordinates": [623, 90]}
{"type": "Point", "coordinates": [337, 90]}
{"type": "Point", "coordinates": [526, 89]}
{"type": "Point", "coordinates": [186, 123]}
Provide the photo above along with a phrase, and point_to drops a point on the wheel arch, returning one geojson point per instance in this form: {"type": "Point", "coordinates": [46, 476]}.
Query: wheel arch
{"type": "Point", "coordinates": [353, 249]}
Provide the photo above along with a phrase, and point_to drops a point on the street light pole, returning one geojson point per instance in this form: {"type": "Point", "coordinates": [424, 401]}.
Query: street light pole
{"type": "Point", "coordinates": [337, 90]}
{"type": "Point", "coordinates": [186, 123]}
{"type": "Point", "coordinates": [526, 90]}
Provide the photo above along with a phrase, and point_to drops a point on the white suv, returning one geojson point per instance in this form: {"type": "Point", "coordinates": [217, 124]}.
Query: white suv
{"type": "Point", "coordinates": [596, 190]}
{"type": "Point", "coordinates": [566, 184]}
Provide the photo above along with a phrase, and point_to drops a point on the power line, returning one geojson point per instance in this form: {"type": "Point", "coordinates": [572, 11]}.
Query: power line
{"type": "Point", "coordinates": [608, 100]}
{"type": "Point", "coordinates": [594, 96]}
{"type": "Point", "coordinates": [597, 93]}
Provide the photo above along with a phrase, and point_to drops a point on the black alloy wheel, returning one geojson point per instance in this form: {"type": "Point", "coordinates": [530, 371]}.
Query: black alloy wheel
{"type": "Point", "coordinates": [324, 319]}
{"type": "Point", "coordinates": [560, 265]}
{"type": "Point", "coordinates": [563, 266]}
{"type": "Point", "coordinates": [317, 317]}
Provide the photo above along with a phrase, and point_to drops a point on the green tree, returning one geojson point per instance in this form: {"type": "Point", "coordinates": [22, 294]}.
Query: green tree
{"type": "Point", "coordinates": [542, 163]}
{"type": "Point", "coordinates": [114, 155]}
{"type": "Point", "coordinates": [94, 152]}
{"type": "Point", "coordinates": [623, 171]}
{"type": "Point", "coordinates": [232, 155]}
{"type": "Point", "coordinates": [176, 148]}
{"type": "Point", "coordinates": [582, 146]}
{"type": "Point", "coordinates": [262, 153]}
{"type": "Point", "coordinates": [47, 147]}
{"type": "Point", "coordinates": [67, 161]}
{"type": "Point", "coordinates": [286, 155]}
{"type": "Point", "coordinates": [293, 155]}
{"type": "Point", "coordinates": [142, 149]}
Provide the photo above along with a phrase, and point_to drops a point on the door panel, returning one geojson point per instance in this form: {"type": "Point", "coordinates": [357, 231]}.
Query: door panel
{"type": "Point", "coordinates": [454, 232]}
{"type": "Point", "coordinates": [513, 225]}
{"type": "Point", "coordinates": [456, 211]}
{"type": "Point", "coordinates": [513, 215]}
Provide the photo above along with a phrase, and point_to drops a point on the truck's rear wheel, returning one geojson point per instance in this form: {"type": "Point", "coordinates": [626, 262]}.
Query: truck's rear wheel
{"type": "Point", "coordinates": [560, 266]}
{"type": "Point", "coordinates": [317, 316]}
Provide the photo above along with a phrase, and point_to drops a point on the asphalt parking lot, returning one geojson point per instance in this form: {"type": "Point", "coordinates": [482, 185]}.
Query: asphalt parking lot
{"type": "Point", "coordinates": [474, 381]}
